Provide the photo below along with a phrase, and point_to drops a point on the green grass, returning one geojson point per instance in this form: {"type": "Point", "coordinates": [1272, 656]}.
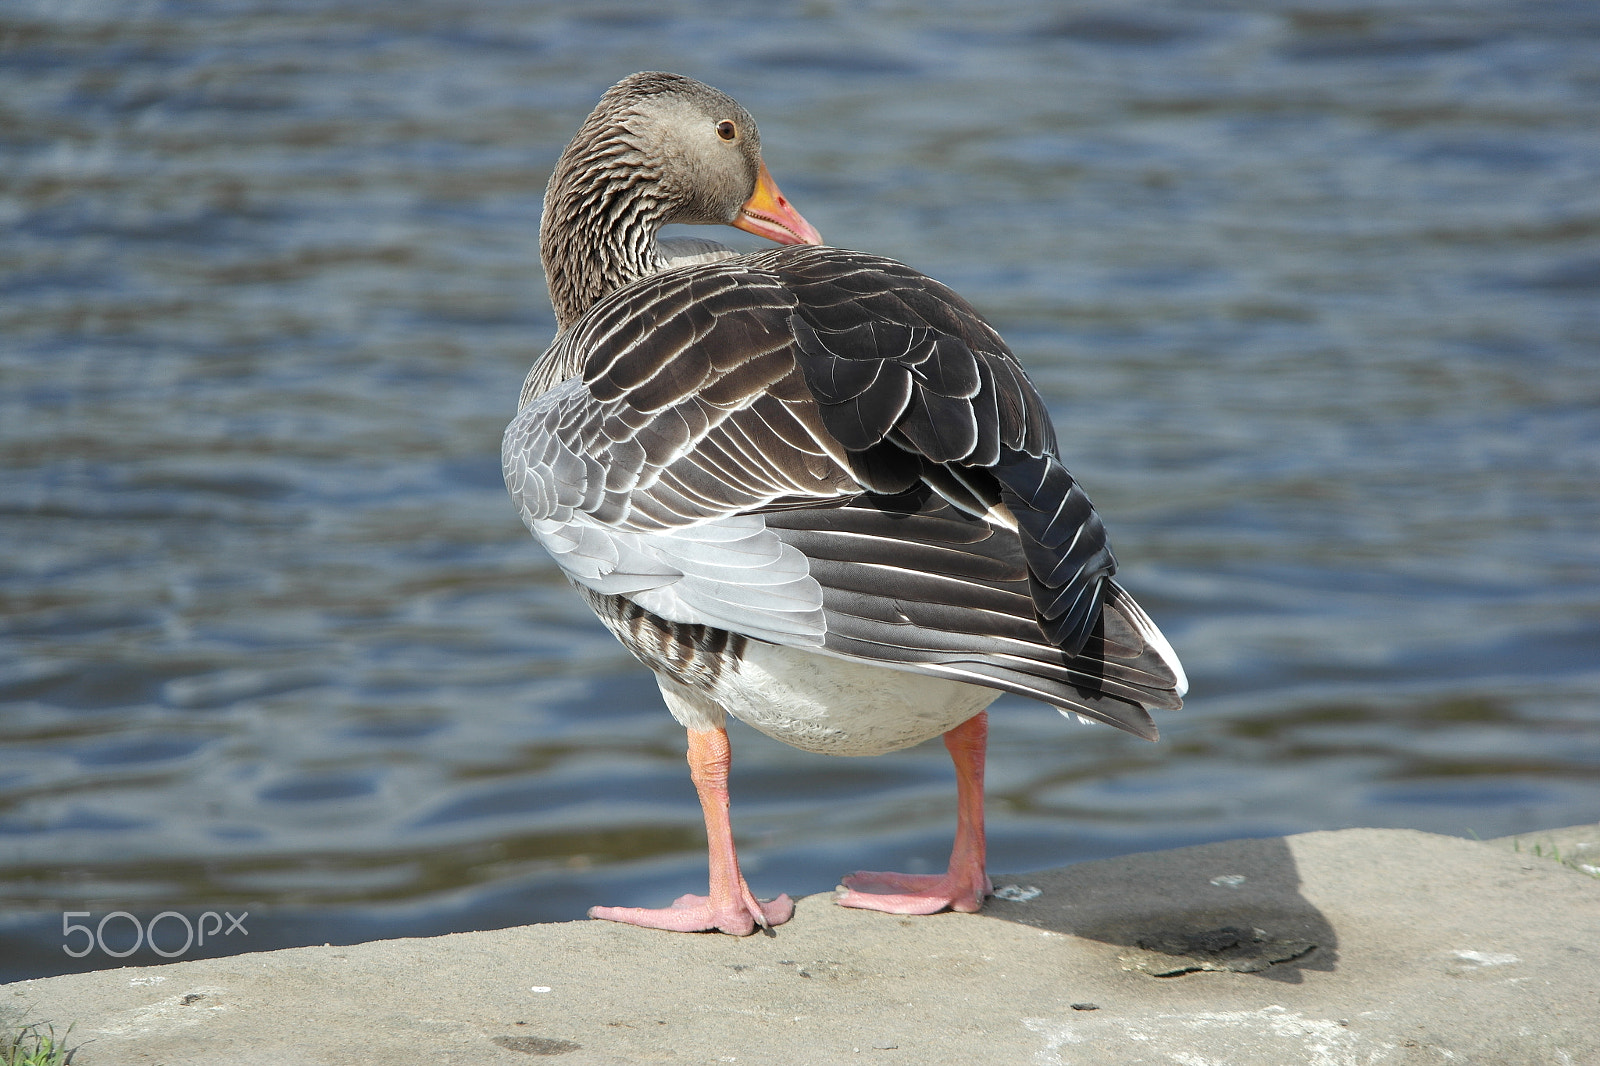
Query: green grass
{"type": "Point", "coordinates": [30, 1045]}
{"type": "Point", "coordinates": [1553, 853]}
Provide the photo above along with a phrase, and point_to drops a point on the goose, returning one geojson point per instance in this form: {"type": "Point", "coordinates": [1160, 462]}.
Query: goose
{"type": "Point", "coordinates": [811, 488]}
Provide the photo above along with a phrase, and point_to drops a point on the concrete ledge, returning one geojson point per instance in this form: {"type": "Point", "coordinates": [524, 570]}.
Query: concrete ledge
{"type": "Point", "coordinates": [1365, 946]}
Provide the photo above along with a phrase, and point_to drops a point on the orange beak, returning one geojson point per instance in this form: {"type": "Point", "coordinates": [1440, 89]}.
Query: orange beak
{"type": "Point", "coordinates": [767, 214]}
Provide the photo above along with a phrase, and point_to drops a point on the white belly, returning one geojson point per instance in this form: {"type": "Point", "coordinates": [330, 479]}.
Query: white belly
{"type": "Point", "coordinates": [837, 707]}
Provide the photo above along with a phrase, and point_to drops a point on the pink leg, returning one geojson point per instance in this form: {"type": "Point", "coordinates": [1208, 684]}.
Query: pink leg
{"type": "Point", "coordinates": [964, 885]}
{"type": "Point", "coordinates": [730, 908]}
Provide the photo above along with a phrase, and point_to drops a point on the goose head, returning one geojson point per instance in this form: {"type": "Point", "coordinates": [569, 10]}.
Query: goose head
{"type": "Point", "coordinates": [657, 148]}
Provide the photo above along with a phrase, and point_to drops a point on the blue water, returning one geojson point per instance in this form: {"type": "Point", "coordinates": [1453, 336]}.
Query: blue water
{"type": "Point", "coordinates": [1313, 291]}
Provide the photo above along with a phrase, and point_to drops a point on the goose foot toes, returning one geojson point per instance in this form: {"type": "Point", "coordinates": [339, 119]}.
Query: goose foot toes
{"type": "Point", "coordinates": [912, 893]}
{"type": "Point", "coordinates": [700, 914]}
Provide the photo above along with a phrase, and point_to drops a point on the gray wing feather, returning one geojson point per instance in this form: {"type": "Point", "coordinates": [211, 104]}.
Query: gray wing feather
{"type": "Point", "coordinates": [650, 509]}
{"type": "Point", "coordinates": [915, 582]}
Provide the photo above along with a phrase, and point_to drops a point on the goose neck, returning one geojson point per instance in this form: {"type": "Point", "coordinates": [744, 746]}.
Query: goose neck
{"type": "Point", "coordinates": [602, 211]}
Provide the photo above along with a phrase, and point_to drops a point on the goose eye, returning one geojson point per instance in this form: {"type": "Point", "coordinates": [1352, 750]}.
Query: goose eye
{"type": "Point", "coordinates": [727, 130]}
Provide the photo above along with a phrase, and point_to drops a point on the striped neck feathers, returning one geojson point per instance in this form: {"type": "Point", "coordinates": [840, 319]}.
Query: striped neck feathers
{"type": "Point", "coordinates": [602, 209]}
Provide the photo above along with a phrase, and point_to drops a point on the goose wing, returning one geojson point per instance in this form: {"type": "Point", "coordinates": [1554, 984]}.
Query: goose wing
{"type": "Point", "coordinates": [725, 454]}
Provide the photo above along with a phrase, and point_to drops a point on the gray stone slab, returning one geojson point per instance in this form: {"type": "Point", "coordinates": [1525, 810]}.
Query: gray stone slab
{"type": "Point", "coordinates": [1334, 949]}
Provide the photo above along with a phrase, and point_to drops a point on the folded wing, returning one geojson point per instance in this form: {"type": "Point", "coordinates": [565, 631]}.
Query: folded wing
{"type": "Point", "coordinates": [825, 449]}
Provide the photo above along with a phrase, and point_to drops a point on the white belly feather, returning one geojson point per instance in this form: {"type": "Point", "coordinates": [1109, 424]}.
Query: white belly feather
{"type": "Point", "coordinates": [828, 705]}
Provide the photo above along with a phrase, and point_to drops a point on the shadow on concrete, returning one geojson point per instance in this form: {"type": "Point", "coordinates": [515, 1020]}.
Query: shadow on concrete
{"type": "Point", "coordinates": [1233, 906]}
